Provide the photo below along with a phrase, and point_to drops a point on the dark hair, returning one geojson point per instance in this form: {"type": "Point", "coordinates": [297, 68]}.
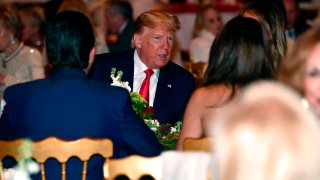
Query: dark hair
{"type": "Point", "coordinates": [281, 6]}
{"type": "Point", "coordinates": [239, 55]}
{"type": "Point", "coordinates": [69, 40]}
{"type": "Point", "coordinates": [272, 16]}
{"type": "Point", "coordinates": [9, 18]}
{"type": "Point", "coordinates": [121, 6]}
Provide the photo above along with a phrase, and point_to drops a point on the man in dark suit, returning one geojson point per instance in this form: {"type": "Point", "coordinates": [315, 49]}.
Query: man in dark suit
{"type": "Point", "coordinates": [120, 25]}
{"type": "Point", "coordinates": [295, 24]}
{"type": "Point", "coordinates": [170, 85]}
{"type": "Point", "coordinates": [68, 105]}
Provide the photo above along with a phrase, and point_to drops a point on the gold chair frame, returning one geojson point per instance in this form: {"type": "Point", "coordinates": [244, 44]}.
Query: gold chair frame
{"type": "Point", "coordinates": [134, 167]}
{"type": "Point", "coordinates": [199, 69]}
{"type": "Point", "coordinates": [9, 148]}
{"type": "Point", "coordinates": [61, 150]}
{"type": "Point", "coordinates": [198, 144]}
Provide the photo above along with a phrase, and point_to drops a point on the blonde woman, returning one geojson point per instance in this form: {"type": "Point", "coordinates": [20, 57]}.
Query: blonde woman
{"type": "Point", "coordinates": [207, 25]}
{"type": "Point", "coordinates": [268, 135]}
{"type": "Point", "coordinates": [18, 62]}
{"type": "Point", "coordinates": [301, 68]}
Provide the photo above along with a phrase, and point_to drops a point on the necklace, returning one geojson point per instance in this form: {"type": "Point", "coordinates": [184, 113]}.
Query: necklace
{"type": "Point", "coordinates": [7, 58]}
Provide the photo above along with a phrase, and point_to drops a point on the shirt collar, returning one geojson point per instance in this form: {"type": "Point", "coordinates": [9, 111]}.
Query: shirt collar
{"type": "Point", "coordinates": [139, 66]}
{"type": "Point", "coordinates": [122, 27]}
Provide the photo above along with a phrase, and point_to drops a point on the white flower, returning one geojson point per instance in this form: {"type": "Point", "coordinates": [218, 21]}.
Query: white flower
{"type": "Point", "coordinates": [21, 175]}
{"type": "Point", "coordinates": [156, 122]}
{"type": "Point", "coordinates": [9, 173]}
{"type": "Point", "coordinates": [173, 130]}
{"type": "Point", "coordinates": [116, 80]}
{"type": "Point", "coordinates": [33, 167]}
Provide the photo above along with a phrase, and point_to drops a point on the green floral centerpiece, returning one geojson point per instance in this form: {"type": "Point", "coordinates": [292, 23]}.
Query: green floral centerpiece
{"type": "Point", "coordinates": [167, 134]}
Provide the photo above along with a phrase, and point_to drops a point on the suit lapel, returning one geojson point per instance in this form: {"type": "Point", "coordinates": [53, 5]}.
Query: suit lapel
{"type": "Point", "coordinates": [163, 93]}
{"type": "Point", "coordinates": [127, 66]}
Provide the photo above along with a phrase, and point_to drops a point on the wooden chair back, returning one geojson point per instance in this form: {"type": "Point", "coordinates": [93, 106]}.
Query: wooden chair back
{"type": "Point", "coordinates": [59, 149]}
{"type": "Point", "coordinates": [198, 144]}
{"type": "Point", "coordinates": [199, 68]}
{"type": "Point", "coordinates": [134, 167]}
{"type": "Point", "coordinates": [9, 148]}
{"type": "Point", "coordinates": [62, 150]}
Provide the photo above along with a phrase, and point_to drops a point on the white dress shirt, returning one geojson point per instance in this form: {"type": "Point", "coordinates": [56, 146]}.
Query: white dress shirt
{"type": "Point", "coordinates": [123, 26]}
{"type": "Point", "coordinates": [139, 75]}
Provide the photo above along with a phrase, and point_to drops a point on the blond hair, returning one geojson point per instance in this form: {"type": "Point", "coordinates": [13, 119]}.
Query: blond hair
{"type": "Point", "coordinates": [292, 69]}
{"type": "Point", "coordinates": [34, 16]}
{"type": "Point", "coordinates": [268, 136]}
{"type": "Point", "coordinates": [156, 18]}
{"type": "Point", "coordinates": [199, 21]}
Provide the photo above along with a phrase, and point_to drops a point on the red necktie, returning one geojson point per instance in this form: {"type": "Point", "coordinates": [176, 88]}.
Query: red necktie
{"type": "Point", "coordinates": [144, 90]}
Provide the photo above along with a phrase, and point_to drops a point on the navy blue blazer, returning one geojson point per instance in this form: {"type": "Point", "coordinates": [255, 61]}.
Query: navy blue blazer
{"type": "Point", "coordinates": [68, 105]}
{"type": "Point", "coordinates": [175, 84]}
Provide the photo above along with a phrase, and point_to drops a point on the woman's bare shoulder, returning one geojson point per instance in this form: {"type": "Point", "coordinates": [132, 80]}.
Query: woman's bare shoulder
{"type": "Point", "coordinates": [211, 95]}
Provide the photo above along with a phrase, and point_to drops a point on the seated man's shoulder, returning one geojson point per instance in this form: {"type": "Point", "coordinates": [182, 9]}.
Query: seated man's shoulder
{"type": "Point", "coordinates": [103, 63]}
{"type": "Point", "coordinates": [179, 71]}
{"type": "Point", "coordinates": [22, 87]}
{"type": "Point", "coordinates": [112, 56]}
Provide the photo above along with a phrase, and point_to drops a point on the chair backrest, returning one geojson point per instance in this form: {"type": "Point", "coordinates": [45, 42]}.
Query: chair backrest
{"type": "Point", "coordinates": [9, 148]}
{"type": "Point", "coordinates": [199, 68]}
{"type": "Point", "coordinates": [134, 167]}
{"type": "Point", "coordinates": [62, 150]}
{"type": "Point", "coordinates": [198, 144]}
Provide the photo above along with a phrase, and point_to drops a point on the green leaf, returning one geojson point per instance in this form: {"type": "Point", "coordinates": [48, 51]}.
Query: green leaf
{"type": "Point", "coordinates": [139, 105]}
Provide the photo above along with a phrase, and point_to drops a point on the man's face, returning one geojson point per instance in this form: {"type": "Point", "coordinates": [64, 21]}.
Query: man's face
{"type": "Point", "coordinates": [292, 13]}
{"type": "Point", "coordinates": [154, 46]}
{"type": "Point", "coordinates": [114, 20]}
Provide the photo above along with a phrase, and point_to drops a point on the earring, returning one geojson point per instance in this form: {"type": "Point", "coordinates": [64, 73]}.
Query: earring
{"type": "Point", "coordinates": [305, 103]}
{"type": "Point", "coordinates": [12, 40]}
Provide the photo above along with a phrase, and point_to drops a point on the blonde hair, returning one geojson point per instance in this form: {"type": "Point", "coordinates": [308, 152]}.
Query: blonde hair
{"type": "Point", "coordinates": [199, 21]}
{"type": "Point", "coordinates": [156, 18]}
{"type": "Point", "coordinates": [9, 19]}
{"type": "Point", "coordinates": [292, 69]}
{"type": "Point", "coordinates": [268, 136]}
{"type": "Point", "coordinates": [34, 16]}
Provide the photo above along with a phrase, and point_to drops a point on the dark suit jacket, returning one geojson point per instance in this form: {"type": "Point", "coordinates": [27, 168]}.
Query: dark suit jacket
{"type": "Point", "coordinates": [123, 42]}
{"type": "Point", "coordinates": [300, 27]}
{"type": "Point", "coordinates": [175, 84]}
{"type": "Point", "coordinates": [68, 105]}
